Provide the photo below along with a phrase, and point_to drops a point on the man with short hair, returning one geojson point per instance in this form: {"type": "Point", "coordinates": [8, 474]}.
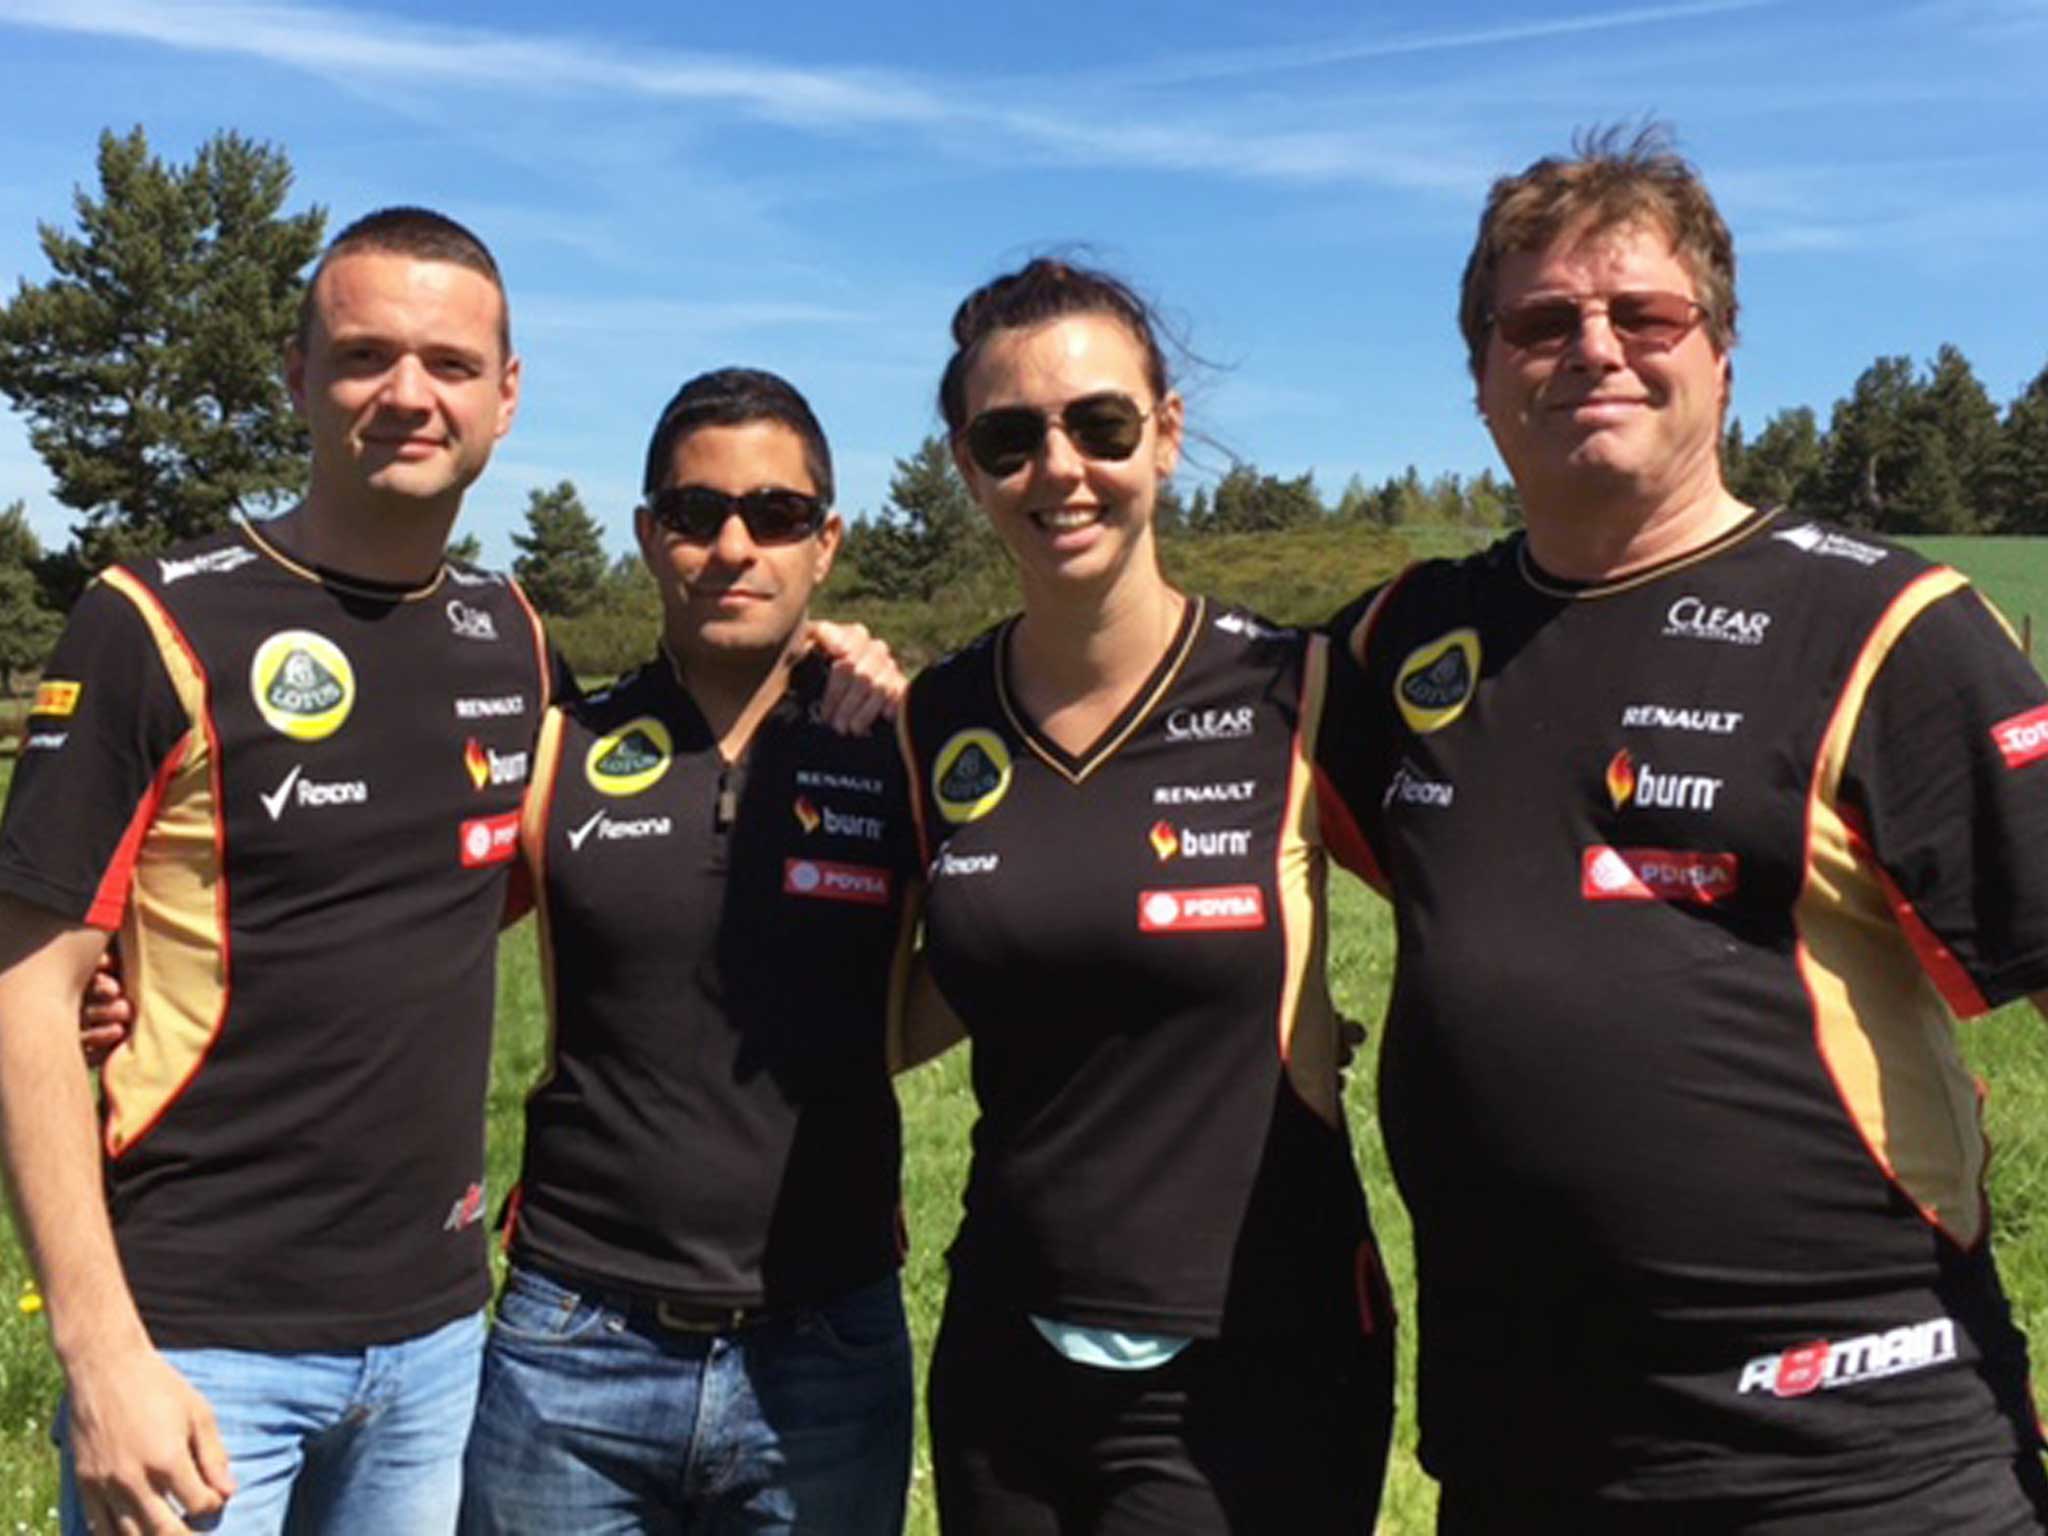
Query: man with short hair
{"type": "Point", "coordinates": [1702, 823]}
{"type": "Point", "coordinates": [283, 766]}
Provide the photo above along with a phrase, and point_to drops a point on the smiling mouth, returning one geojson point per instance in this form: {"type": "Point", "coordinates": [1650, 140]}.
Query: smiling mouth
{"type": "Point", "coordinates": [1067, 519]}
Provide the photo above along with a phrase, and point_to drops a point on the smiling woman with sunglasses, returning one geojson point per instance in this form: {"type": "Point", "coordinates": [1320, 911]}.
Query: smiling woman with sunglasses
{"type": "Point", "coordinates": [1166, 1312]}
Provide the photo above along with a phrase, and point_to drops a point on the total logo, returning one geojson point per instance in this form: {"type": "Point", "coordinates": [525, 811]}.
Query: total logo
{"type": "Point", "coordinates": [1170, 842]}
{"type": "Point", "coordinates": [467, 1210]}
{"type": "Point", "coordinates": [608, 829]}
{"type": "Point", "coordinates": [1209, 724]}
{"type": "Point", "coordinates": [1656, 874]}
{"type": "Point", "coordinates": [312, 794]}
{"type": "Point", "coordinates": [827, 881]}
{"type": "Point", "coordinates": [470, 623]}
{"type": "Point", "coordinates": [489, 839]}
{"type": "Point", "coordinates": [487, 767]}
{"type": "Point", "coordinates": [813, 817]}
{"type": "Point", "coordinates": [1630, 782]}
{"type": "Point", "coordinates": [2024, 738]}
{"type": "Point", "coordinates": [1822, 1366]}
{"type": "Point", "coordinates": [1693, 618]}
{"type": "Point", "coordinates": [1204, 909]}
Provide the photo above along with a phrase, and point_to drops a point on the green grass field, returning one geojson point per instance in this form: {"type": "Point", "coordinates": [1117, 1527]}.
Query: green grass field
{"type": "Point", "coordinates": [2009, 1050]}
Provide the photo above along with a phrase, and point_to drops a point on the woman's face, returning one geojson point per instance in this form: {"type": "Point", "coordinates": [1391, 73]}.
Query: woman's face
{"type": "Point", "coordinates": [1069, 512]}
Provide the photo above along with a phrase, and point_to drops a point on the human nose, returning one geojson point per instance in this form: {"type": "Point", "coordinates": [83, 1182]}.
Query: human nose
{"type": "Point", "coordinates": [1594, 344]}
{"type": "Point", "coordinates": [407, 386]}
{"type": "Point", "coordinates": [732, 545]}
{"type": "Point", "coordinates": [1057, 455]}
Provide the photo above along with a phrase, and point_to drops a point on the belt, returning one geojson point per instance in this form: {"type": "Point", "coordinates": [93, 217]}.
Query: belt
{"type": "Point", "coordinates": [698, 1317]}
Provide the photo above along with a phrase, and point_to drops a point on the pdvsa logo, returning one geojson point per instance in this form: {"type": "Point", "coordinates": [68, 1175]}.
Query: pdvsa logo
{"type": "Point", "coordinates": [1631, 782]}
{"type": "Point", "coordinates": [303, 684]}
{"type": "Point", "coordinates": [827, 881]}
{"type": "Point", "coordinates": [970, 775]}
{"type": "Point", "coordinates": [489, 839]}
{"type": "Point", "coordinates": [487, 766]}
{"type": "Point", "coordinates": [1210, 724]}
{"type": "Point", "coordinates": [1207, 909]}
{"type": "Point", "coordinates": [1693, 618]}
{"type": "Point", "coordinates": [470, 623]}
{"type": "Point", "coordinates": [1436, 681]}
{"type": "Point", "coordinates": [1656, 874]}
{"type": "Point", "coordinates": [630, 759]}
{"type": "Point", "coordinates": [1170, 842]}
{"type": "Point", "coordinates": [2024, 738]}
{"type": "Point", "coordinates": [467, 1210]}
{"type": "Point", "coordinates": [1823, 1366]}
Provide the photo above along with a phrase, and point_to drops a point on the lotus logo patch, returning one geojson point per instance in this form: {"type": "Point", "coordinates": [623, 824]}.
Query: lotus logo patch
{"type": "Point", "coordinates": [630, 759]}
{"type": "Point", "coordinates": [303, 685]}
{"type": "Point", "coordinates": [970, 775]}
{"type": "Point", "coordinates": [1435, 683]}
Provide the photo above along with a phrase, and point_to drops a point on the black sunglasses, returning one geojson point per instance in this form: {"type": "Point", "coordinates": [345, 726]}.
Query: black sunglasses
{"type": "Point", "coordinates": [772, 514]}
{"type": "Point", "coordinates": [1648, 319]}
{"type": "Point", "coordinates": [1105, 426]}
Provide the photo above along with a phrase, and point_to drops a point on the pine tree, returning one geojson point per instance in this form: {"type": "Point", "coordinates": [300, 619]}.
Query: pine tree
{"type": "Point", "coordinates": [28, 628]}
{"type": "Point", "coordinates": [929, 535]}
{"type": "Point", "coordinates": [1782, 467]}
{"type": "Point", "coordinates": [148, 365]}
{"type": "Point", "coordinates": [562, 563]}
{"type": "Point", "coordinates": [2022, 466]}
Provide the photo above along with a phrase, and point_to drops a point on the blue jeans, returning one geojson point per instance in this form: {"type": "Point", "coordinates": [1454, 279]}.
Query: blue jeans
{"type": "Point", "coordinates": [595, 1418]}
{"type": "Point", "coordinates": [333, 1441]}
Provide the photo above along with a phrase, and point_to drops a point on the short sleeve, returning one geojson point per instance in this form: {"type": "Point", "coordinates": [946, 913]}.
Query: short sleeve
{"type": "Point", "coordinates": [106, 724]}
{"type": "Point", "coordinates": [1948, 773]}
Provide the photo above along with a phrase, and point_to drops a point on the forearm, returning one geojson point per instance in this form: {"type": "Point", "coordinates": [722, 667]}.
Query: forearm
{"type": "Point", "coordinates": [49, 1142]}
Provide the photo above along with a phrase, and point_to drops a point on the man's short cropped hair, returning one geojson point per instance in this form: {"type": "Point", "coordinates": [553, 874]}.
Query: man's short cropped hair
{"type": "Point", "coordinates": [421, 234]}
{"type": "Point", "coordinates": [1614, 177]}
{"type": "Point", "coordinates": [737, 397]}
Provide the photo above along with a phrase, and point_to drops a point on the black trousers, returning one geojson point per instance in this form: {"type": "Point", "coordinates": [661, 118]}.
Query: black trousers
{"type": "Point", "coordinates": [1253, 1437]}
{"type": "Point", "coordinates": [1998, 1497]}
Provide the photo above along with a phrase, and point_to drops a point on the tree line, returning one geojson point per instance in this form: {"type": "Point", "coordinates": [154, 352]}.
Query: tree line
{"type": "Point", "coordinates": [147, 368]}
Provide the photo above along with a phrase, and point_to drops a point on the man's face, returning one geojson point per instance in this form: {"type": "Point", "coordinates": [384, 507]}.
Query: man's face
{"type": "Point", "coordinates": [403, 380]}
{"type": "Point", "coordinates": [1601, 415]}
{"type": "Point", "coordinates": [731, 598]}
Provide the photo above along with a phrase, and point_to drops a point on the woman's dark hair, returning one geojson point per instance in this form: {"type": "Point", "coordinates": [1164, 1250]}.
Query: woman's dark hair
{"type": "Point", "coordinates": [1043, 289]}
{"type": "Point", "coordinates": [734, 397]}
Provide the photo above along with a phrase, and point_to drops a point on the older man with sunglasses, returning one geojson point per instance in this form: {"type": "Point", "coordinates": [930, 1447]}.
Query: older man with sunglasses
{"type": "Point", "coordinates": [1702, 824]}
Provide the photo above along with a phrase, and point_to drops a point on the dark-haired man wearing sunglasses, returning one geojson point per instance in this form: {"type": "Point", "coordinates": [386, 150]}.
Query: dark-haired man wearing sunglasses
{"type": "Point", "coordinates": [1703, 823]}
{"type": "Point", "coordinates": [702, 1329]}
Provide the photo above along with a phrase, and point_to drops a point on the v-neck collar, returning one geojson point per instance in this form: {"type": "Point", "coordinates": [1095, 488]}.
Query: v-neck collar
{"type": "Point", "coordinates": [1075, 767]}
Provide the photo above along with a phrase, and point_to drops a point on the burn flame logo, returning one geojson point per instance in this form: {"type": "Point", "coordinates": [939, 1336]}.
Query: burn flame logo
{"type": "Point", "coordinates": [1165, 842]}
{"type": "Point", "coordinates": [806, 813]}
{"type": "Point", "coordinates": [478, 764]}
{"type": "Point", "coordinates": [1621, 778]}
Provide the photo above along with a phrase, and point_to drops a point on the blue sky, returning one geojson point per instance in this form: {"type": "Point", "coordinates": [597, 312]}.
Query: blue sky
{"type": "Point", "coordinates": [812, 187]}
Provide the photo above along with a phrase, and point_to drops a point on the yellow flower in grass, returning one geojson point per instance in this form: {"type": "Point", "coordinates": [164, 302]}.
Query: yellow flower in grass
{"type": "Point", "coordinates": [31, 1299]}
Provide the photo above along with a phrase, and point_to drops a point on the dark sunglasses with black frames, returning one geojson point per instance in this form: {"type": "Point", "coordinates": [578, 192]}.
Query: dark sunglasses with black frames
{"type": "Point", "coordinates": [772, 515]}
{"type": "Point", "coordinates": [1107, 426]}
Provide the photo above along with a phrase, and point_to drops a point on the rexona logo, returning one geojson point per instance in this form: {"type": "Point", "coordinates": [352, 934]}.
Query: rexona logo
{"type": "Point", "coordinates": [827, 881]}
{"type": "Point", "coordinates": [970, 775]}
{"type": "Point", "coordinates": [302, 684]}
{"type": "Point", "coordinates": [312, 794]}
{"type": "Point", "coordinates": [966, 863]}
{"type": "Point", "coordinates": [1656, 874]}
{"type": "Point", "coordinates": [470, 623]}
{"type": "Point", "coordinates": [1818, 541]}
{"type": "Point", "coordinates": [1244, 624]}
{"type": "Point", "coordinates": [1209, 724]}
{"type": "Point", "coordinates": [1170, 842]}
{"type": "Point", "coordinates": [624, 829]}
{"type": "Point", "coordinates": [1205, 909]}
{"type": "Point", "coordinates": [630, 759]}
{"type": "Point", "coordinates": [1436, 681]}
{"type": "Point", "coordinates": [813, 817]}
{"type": "Point", "coordinates": [467, 1210]}
{"type": "Point", "coordinates": [1822, 1366]}
{"type": "Point", "coordinates": [55, 698]}
{"type": "Point", "coordinates": [487, 767]}
{"type": "Point", "coordinates": [489, 839]}
{"type": "Point", "coordinates": [1631, 782]}
{"type": "Point", "coordinates": [213, 564]}
{"type": "Point", "coordinates": [1408, 787]}
{"type": "Point", "coordinates": [2024, 738]}
{"type": "Point", "coordinates": [1693, 618]}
